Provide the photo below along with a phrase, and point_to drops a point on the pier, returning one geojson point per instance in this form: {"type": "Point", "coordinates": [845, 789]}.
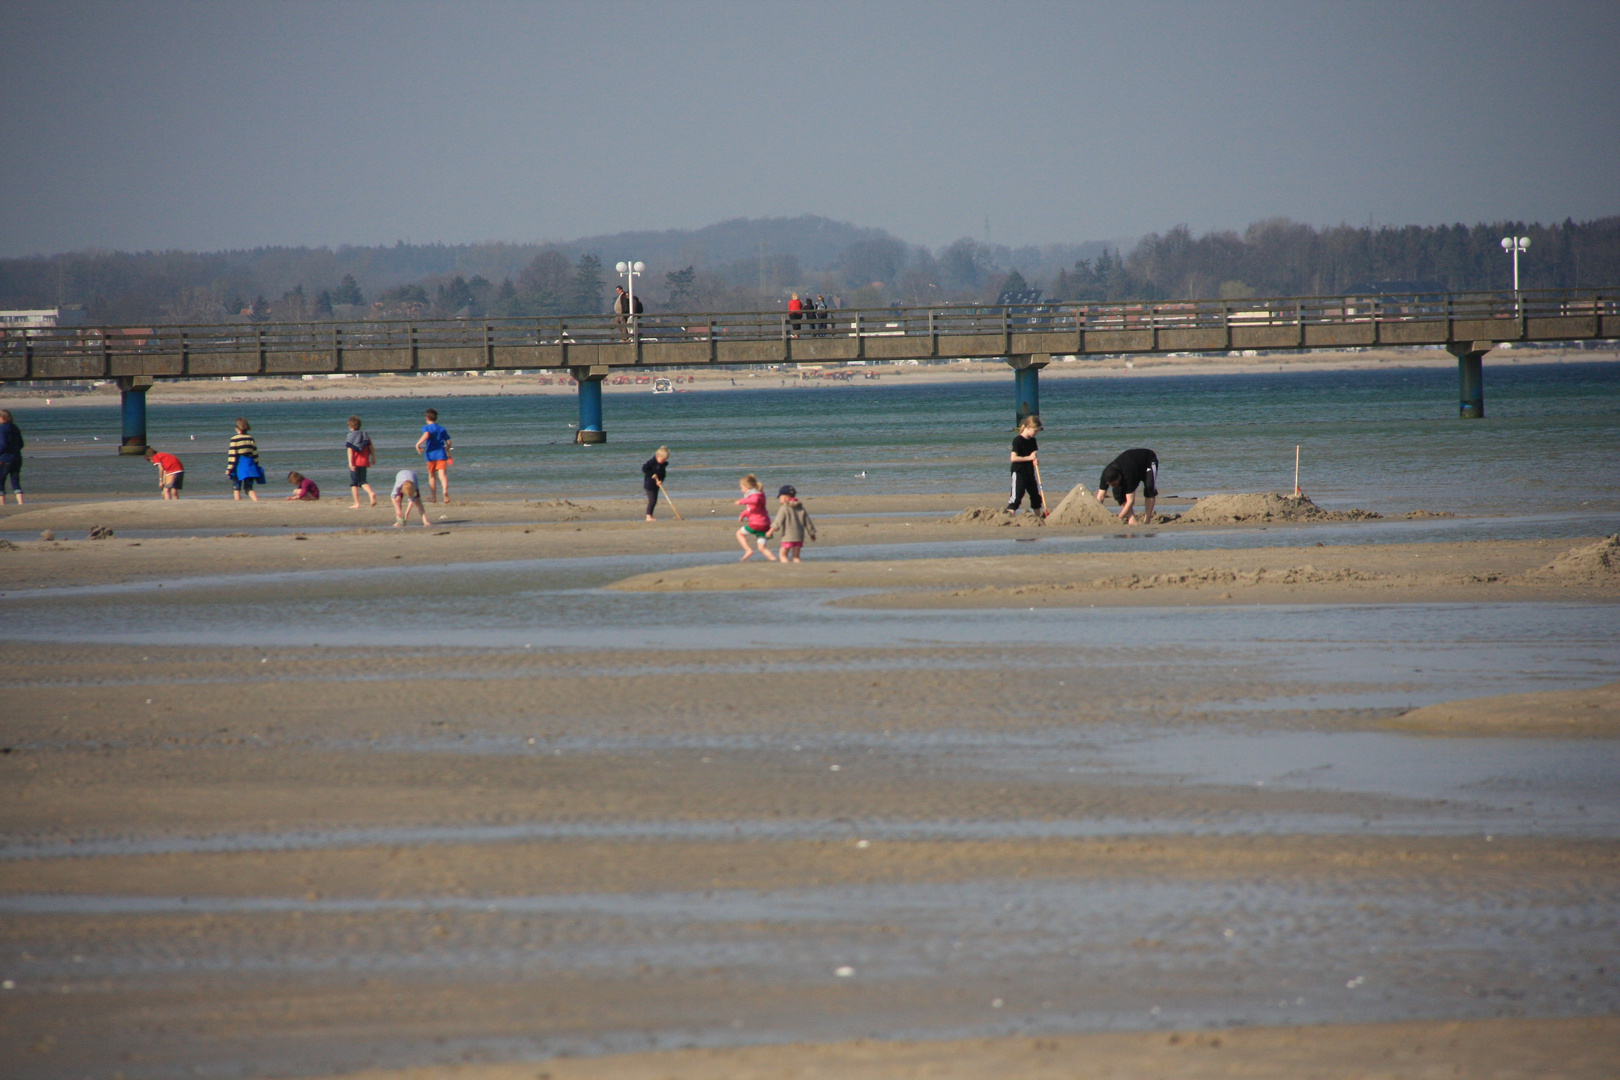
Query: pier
{"type": "Point", "coordinates": [592, 347]}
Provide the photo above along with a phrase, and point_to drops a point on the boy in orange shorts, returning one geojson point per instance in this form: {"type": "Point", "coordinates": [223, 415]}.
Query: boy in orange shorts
{"type": "Point", "coordinates": [434, 445]}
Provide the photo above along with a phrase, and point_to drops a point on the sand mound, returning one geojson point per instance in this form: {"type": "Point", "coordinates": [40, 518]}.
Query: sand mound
{"type": "Point", "coordinates": [990, 515]}
{"type": "Point", "coordinates": [7, 545]}
{"type": "Point", "coordinates": [1557, 712]}
{"type": "Point", "coordinates": [1266, 506]}
{"type": "Point", "coordinates": [1599, 562]}
{"type": "Point", "coordinates": [1424, 515]}
{"type": "Point", "coordinates": [1080, 507]}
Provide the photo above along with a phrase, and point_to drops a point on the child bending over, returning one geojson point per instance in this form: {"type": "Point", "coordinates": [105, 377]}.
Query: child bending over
{"type": "Point", "coordinates": [406, 496]}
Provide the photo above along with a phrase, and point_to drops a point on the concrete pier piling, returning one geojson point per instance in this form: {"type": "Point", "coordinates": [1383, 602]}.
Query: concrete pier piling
{"type": "Point", "coordinates": [590, 404]}
{"type": "Point", "coordinates": [133, 389]}
{"type": "Point", "coordinates": [1027, 383]}
{"type": "Point", "coordinates": [1471, 378]}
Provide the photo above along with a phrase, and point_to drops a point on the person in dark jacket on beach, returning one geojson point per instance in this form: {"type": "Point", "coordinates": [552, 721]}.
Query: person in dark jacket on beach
{"type": "Point", "coordinates": [653, 471]}
{"type": "Point", "coordinates": [1124, 474]}
{"type": "Point", "coordinates": [11, 448]}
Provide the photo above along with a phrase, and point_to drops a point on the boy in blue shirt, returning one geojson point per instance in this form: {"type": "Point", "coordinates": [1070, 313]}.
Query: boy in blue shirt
{"type": "Point", "coordinates": [434, 445]}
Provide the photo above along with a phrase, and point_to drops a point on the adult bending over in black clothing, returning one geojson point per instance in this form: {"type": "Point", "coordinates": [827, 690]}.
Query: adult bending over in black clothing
{"type": "Point", "coordinates": [1123, 474]}
{"type": "Point", "coordinates": [652, 475]}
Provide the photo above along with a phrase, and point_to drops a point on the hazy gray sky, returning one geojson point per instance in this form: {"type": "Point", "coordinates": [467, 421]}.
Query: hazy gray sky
{"type": "Point", "coordinates": [215, 125]}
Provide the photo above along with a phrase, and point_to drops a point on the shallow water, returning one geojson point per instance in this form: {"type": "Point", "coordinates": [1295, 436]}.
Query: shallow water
{"type": "Point", "coordinates": [1385, 440]}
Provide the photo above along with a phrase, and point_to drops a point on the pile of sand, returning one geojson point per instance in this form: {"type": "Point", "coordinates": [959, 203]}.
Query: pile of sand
{"type": "Point", "coordinates": [990, 515]}
{"type": "Point", "coordinates": [1080, 507]}
{"type": "Point", "coordinates": [1594, 563]}
{"type": "Point", "coordinates": [1266, 506]}
{"type": "Point", "coordinates": [1594, 711]}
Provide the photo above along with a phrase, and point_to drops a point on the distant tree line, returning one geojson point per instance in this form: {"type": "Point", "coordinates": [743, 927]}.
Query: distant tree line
{"type": "Point", "coordinates": [848, 266]}
{"type": "Point", "coordinates": [1285, 258]}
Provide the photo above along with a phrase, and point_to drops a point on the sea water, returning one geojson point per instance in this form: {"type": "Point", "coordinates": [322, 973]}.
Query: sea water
{"type": "Point", "coordinates": [1385, 440]}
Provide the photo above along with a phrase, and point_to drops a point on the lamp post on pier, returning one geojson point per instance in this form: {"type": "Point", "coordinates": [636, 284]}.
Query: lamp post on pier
{"type": "Point", "coordinates": [1513, 245]}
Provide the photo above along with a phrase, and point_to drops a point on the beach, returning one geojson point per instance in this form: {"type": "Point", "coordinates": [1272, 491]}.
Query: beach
{"type": "Point", "coordinates": [1271, 787]}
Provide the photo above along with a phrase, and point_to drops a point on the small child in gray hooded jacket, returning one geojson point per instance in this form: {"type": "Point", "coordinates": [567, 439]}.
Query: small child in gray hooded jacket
{"type": "Point", "coordinates": [792, 523]}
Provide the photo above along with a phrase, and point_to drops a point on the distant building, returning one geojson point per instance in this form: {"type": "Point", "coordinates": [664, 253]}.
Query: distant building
{"type": "Point", "coordinates": [1424, 288]}
{"type": "Point", "coordinates": [1012, 297]}
{"type": "Point", "coordinates": [72, 315]}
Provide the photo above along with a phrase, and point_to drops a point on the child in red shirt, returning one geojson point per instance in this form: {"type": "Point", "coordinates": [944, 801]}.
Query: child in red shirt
{"type": "Point", "coordinates": [171, 474]}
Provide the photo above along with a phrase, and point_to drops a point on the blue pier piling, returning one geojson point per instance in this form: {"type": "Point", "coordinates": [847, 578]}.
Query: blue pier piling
{"type": "Point", "coordinates": [134, 390]}
{"type": "Point", "coordinates": [590, 405]}
{"type": "Point", "coordinates": [1027, 383]}
{"type": "Point", "coordinates": [1471, 378]}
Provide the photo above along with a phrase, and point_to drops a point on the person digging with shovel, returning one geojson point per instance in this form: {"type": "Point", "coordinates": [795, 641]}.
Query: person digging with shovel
{"type": "Point", "coordinates": [1025, 468]}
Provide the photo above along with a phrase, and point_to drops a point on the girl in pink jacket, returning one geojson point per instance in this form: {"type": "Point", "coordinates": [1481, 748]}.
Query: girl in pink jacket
{"type": "Point", "coordinates": [755, 521]}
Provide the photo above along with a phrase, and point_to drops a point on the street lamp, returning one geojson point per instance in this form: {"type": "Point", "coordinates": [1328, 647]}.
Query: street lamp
{"type": "Point", "coordinates": [1514, 245]}
{"type": "Point", "coordinates": [630, 271]}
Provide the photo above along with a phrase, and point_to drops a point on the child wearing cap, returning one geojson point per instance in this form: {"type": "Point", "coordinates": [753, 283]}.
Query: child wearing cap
{"type": "Point", "coordinates": [756, 523]}
{"type": "Point", "coordinates": [792, 523]}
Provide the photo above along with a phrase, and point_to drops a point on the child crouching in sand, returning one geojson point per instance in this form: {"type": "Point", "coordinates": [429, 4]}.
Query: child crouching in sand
{"type": "Point", "coordinates": [407, 496]}
{"type": "Point", "coordinates": [755, 521]}
{"type": "Point", "coordinates": [307, 491]}
{"type": "Point", "coordinates": [792, 524]}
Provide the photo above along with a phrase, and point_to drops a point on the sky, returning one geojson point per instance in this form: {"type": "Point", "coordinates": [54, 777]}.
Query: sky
{"type": "Point", "coordinates": [210, 126]}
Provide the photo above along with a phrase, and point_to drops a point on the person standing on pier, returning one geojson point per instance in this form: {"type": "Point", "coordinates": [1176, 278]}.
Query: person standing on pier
{"type": "Point", "coordinates": [11, 448]}
{"type": "Point", "coordinates": [1124, 474]}
{"type": "Point", "coordinates": [621, 311]}
{"type": "Point", "coordinates": [434, 446]}
{"type": "Point", "coordinates": [653, 471]}
{"type": "Point", "coordinates": [1024, 476]}
{"type": "Point", "coordinates": [795, 314]}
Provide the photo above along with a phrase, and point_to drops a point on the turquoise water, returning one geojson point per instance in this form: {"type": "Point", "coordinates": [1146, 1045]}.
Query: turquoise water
{"type": "Point", "coordinates": [1384, 440]}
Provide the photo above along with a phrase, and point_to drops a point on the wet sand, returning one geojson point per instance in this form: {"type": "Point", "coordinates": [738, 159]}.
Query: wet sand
{"type": "Point", "coordinates": [1057, 847]}
{"type": "Point", "coordinates": [1581, 1048]}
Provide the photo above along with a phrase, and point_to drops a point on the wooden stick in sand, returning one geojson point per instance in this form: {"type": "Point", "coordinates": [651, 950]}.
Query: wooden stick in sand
{"type": "Point", "coordinates": [1045, 510]}
{"type": "Point", "coordinates": [671, 502]}
{"type": "Point", "coordinates": [1296, 472]}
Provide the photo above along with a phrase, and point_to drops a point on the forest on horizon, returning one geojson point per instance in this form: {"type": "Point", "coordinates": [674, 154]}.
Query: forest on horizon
{"type": "Point", "coordinates": [744, 265]}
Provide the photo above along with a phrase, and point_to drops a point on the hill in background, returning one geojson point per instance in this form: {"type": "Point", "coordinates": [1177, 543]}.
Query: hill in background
{"type": "Point", "coordinates": [755, 264]}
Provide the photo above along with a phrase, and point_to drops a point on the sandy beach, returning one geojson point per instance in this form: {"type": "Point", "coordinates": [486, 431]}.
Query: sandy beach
{"type": "Point", "coordinates": [295, 792]}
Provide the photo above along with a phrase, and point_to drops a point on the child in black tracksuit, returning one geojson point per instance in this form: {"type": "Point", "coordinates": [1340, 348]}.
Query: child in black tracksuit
{"type": "Point", "coordinates": [1024, 448]}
